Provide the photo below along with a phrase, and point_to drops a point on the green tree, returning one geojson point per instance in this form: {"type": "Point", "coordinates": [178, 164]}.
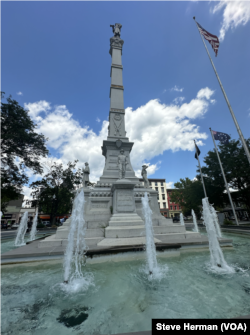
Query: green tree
{"type": "Point", "coordinates": [188, 194]}
{"type": "Point", "coordinates": [236, 168]}
{"type": "Point", "coordinates": [55, 191]}
{"type": "Point", "coordinates": [21, 148]}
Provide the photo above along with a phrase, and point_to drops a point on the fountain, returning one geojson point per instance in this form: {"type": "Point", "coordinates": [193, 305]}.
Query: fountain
{"type": "Point", "coordinates": [196, 229]}
{"type": "Point", "coordinates": [150, 244]}
{"type": "Point", "coordinates": [182, 219]}
{"type": "Point", "coordinates": [216, 221]}
{"type": "Point", "coordinates": [217, 257]}
{"type": "Point", "coordinates": [114, 213]}
{"type": "Point", "coordinates": [76, 246]}
{"type": "Point", "coordinates": [21, 230]}
{"type": "Point", "coordinates": [33, 229]}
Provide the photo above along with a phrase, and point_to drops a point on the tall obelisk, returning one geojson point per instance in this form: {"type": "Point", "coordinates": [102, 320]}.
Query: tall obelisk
{"type": "Point", "coordinates": [117, 139]}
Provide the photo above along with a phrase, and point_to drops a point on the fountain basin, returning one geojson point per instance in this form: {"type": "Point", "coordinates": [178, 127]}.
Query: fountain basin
{"type": "Point", "coordinates": [122, 297]}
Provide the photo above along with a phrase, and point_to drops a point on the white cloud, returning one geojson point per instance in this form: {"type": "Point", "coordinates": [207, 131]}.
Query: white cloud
{"type": "Point", "coordinates": [19, 93]}
{"type": "Point", "coordinates": [205, 93]}
{"type": "Point", "coordinates": [235, 13]}
{"type": "Point", "coordinates": [36, 108]}
{"type": "Point", "coordinates": [178, 100]}
{"type": "Point", "coordinates": [177, 89]}
{"type": "Point", "coordinates": [170, 184]}
{"type": "Point", "coordinates": [153, 127]}
{"type": "Point", "coordinates": [98, 120]}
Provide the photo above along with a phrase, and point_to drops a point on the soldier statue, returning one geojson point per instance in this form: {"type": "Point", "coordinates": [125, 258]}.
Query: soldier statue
{"type": "Point", "coordinates": [121, 163]}
{"type": "Point", "coordinates": [144, 176]}
{"type": "Point", "coordinates": [86, 172]}
{"type": "Point", "coordinates": [116, 29]}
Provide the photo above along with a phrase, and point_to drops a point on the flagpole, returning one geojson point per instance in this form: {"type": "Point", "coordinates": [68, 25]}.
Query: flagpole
{"type": "Point", "coordinates": [202, 180]}
{"type": "Point", "coordinates": [228, 192]}
{"type": "Point", "coordinates": [227, 101]}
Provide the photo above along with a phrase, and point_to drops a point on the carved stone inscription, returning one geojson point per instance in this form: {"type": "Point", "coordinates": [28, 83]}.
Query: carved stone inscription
{"type": "Point", "coordinates": [125, 201]}
{"type": "Point", "coordinates": [113, 160]}
{"type": "Point", "coordinates": [99, 205]}
{"type": "Point", "coordinates": [114, 152]}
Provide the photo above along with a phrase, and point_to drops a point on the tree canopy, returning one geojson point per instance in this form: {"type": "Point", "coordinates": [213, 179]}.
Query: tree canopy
{"type": "Point", "coordinates": [21, 148]}
{"type": "Point", "coordinates": [55, 191]}
{"type": "Point", "coordinates": [236, 168]}
{"type": "Point", "coordinates": [189, 193]}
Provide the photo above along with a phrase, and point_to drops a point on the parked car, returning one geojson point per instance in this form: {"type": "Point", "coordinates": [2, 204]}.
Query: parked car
{"type": "Point", "coordinates": [231, 218]}
{"type": "Point", "coordinates": [176, 219]}
{"type": "Point", "coordinates": [4, 225]}
{"type": "Point", "coordinates": [15, 226]}
{"type": "Point", "coordinates": [47, 223]}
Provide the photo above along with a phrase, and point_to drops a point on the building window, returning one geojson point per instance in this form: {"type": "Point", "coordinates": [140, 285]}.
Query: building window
{"type": "Point", "coordinates": [175, 207]}
{"type": "Point", "coordinates": [179, 207]}
{"type": "Point", "coordinates": [158, 197]}
{"type": "Point", "coordinates": [156, 189]}
{"type": "Point", "coordinates": [164, 205]}
{"type": "Point", "coordinates": [170, 202]}
{"type": "Point", "coordinates": [171, 207]}
{"type": "Point", "coordinates": [162, 190]}
{"type": "Point", "coordinates": [163, 196]}
{"type": "Point", "coordinates": [150, 183]}
{"type": "Point", "coordinates": [155, 183]}
{"type": "Point", "coordinates": [161, 183]}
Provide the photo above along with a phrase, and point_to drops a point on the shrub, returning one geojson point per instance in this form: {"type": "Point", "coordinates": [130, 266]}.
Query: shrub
{"type": "Point", "coordinates": [227, 222]}
{"type": "Point", "coordinates": [40, 225]}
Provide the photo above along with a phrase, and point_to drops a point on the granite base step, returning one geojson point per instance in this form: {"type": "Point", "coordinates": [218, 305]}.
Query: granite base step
{"type": "Point", "coordinates": [115, 242]}
{"type": "Point", "coordinates": [139, 231]}
{"type": "Point", "coordinates": [130, 219]}
{"type": "Point", "coordinates": [53, 242]}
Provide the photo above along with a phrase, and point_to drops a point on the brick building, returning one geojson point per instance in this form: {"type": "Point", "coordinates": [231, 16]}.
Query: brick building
{"type": "Point", "coordinates": [174, 208]}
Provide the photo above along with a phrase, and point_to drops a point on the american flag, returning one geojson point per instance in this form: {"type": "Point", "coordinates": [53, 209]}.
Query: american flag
{"type": "Point", "coordinates": [222, 137]}
{"type": "Point", "coordinates": [212, 39]}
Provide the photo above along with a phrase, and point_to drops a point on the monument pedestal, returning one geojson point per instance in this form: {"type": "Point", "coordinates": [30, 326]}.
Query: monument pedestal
{"type": "Point", "coordinates": [123, 196]}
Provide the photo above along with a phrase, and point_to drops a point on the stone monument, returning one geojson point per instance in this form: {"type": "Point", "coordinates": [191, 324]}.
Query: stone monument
{"type": "Point", "coordinates": [113, 207]}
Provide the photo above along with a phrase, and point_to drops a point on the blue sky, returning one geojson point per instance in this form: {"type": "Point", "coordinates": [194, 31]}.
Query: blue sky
{"type": "Point", "coordinates": [56, 56]}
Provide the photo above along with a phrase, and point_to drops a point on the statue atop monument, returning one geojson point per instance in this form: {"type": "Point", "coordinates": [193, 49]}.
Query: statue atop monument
{"type": "Point", "coordinates": [116, 41]}
{"type": "Point", "coordinates": [86, 173]}
{"type": "Point", "coordinates": [116, 29]}
{"type": "Point", "coordinates": [121, 163]}
{"type": "Point", "coordinates": [144, 176]}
